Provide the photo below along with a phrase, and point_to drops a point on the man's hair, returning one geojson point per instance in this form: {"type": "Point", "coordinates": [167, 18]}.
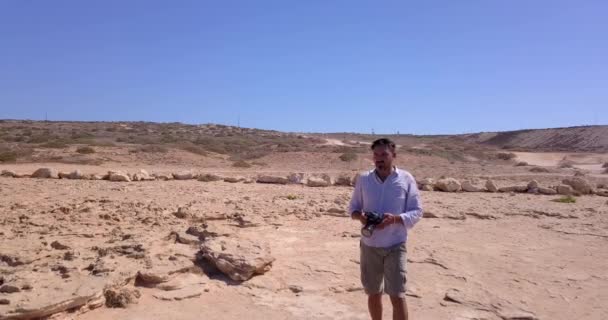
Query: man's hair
{"type": "Point", "coordinates": [384, 142]}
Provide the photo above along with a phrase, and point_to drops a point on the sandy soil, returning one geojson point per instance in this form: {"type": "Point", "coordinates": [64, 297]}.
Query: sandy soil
{"type": "Point", "coordinates": [484, 256]}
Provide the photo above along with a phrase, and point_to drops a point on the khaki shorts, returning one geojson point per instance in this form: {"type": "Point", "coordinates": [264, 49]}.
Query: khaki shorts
{"type": "Point", "coordinates": [384, 268]}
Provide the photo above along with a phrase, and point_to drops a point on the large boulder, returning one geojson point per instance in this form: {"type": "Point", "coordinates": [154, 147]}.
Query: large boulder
{"type": "Point", "coordinates": [448, 185]}
{"type": "Point", "coordinates": [183, 176]}
{"type": "Point", "coordinates": [238, 259]}
{"type": "Point", "coordinates": [272, 179]}
{"type": "Point", "coordinates": [296, 178]}
{"type": "Point", "coordinates": [426, 184]}
{"type": "Point", "coordinates": [467, 186]}
{"type": "Point", "coordinates": [317, 182]}
{"type": "Point", "coordinates": [533, 184]}
{"type": "Point", "coordinates": [45, 173]}
{"type": "Point", "coordinates": [491, 186]}
{"type": "Point", "coordinates": [142, 175]}
{"type": "Point", "coordinates": [209, 177]}
{"type": "Point", "coordinates": [118, 176]}
{"type": "Point", "coordinates": [344, 180]}
{"type": "Point", "coordinates": [564, 190]}
{"type": "Point", "coordinates": [580, 185]}
{"type": "Point", "coordinates": [602, 192]}
{"type": "Point", "coordinates": [8, 173]}
{"type": "Point", "coordinates": [76, 174]}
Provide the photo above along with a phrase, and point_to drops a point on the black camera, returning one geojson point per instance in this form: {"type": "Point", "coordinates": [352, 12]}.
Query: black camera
{"type": "Point", "coordinates": [373, 220]}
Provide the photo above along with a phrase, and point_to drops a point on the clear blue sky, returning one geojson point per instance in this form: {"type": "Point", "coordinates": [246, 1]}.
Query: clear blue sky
{"type": "Point", "coordinates": [316, 65]}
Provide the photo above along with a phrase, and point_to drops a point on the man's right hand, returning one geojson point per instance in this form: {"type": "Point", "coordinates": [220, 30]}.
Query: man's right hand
{"type": "Point", "coordinates": [360, 216]}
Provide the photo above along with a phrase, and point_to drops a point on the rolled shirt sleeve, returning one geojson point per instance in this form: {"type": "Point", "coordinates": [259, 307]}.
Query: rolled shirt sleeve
{"type": "Point", "coordinates": [356, 201]}
{"type": "Point", "coordinates": [413, 207]}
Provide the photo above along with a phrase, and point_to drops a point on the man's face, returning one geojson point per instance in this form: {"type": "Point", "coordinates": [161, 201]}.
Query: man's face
{"type": "Point", "coordinates": [383, 157]}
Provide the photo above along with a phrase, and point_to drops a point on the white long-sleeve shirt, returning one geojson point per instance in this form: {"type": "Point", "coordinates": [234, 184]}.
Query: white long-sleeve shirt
{"type": "Point", "coordinates": [398, 194]}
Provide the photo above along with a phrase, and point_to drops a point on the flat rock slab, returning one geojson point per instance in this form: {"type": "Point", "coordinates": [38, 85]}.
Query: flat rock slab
{"type": "Point", "coordinates": [239, 259]}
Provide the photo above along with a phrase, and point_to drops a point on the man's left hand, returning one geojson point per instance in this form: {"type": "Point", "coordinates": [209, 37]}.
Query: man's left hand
{"type": "Point", "coordinates": [389, 218]}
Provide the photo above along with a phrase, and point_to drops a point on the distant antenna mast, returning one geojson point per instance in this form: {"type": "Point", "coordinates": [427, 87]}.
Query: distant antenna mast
{"type": "Point", "coordinates": [238, 121]}
{"type": "Point", "coordinates": [46, 117]}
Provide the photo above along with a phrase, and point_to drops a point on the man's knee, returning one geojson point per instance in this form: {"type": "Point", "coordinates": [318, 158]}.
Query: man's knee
{"type": "Point", "coordinates": [398, 300]}
{"type": "Point", "coordinates": [375, 296]}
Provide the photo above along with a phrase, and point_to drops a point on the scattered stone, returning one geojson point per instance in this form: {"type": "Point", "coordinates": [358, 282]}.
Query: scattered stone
{"type": "Point", "coordinates": [239, 260]}
{"type": "Point", "coordinates": [602, 192]}
{"type": "Point", "coordinates": [209, 231]}
{"type": "Point", "coordinates": [296, 289]}
{"type": "Point", "coordinates": [428, 214]}
{"type": "Point", "coordinates": [69, 256]}
{"type": "Point", "coordinates": [45, 173]}
{"type": "Point", "coordinates": [150, 278]}
{"type": "Point", "coordinates": [491, 186]}
{"type": "Point", "coordinates": [182, 213]}
{"type": "Point", "coordinates": [184, 238]}
{"type": "Point", "coordinates": [521, 164]}
{"type": "Point", "coordinates": [467, 186]}
{"type": "Point", "coordinates": [5, 302]}
{"type": "Point", "coordinates": [7, 288]}
{"type": "Point", "coordinates": [121, 298]}
{"type": "Point", "coordinates": [58, 246]}
{"type": "Point", "coordinates": [448, 185]}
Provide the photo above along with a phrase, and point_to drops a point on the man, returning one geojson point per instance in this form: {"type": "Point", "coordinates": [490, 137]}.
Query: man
{"type": "Point", "coordinates": [394, 192]}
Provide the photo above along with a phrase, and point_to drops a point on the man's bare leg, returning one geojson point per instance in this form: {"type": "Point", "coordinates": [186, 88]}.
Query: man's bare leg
{"type": "Point", "coordinates": [399, 308]}
{"type": "Point", "coordinates": [374, 304]}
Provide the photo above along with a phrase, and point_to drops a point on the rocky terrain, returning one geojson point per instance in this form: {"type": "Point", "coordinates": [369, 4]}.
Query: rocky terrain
{"type": "Point", "coordinates": [180, 235]}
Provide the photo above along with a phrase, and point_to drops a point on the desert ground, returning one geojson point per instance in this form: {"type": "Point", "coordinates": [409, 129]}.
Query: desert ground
{"type": "Point", "coordinates": [203, 238]}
